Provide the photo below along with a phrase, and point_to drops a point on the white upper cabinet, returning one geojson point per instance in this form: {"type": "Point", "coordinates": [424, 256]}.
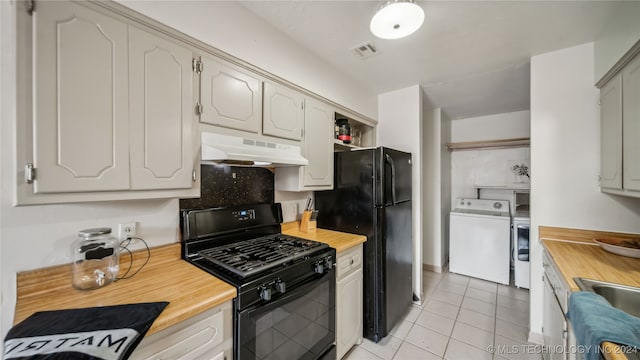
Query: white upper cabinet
{"type": "Point", "coordinates": [113, 108]}
{"type": "Point", "coordinates": [230, 97]}
{"type": "Point", "coordinates": [317, 148]}
{"type": "Point", "coordinates": [318, 144]}
{"type": "Point", "coordinates": [283, 112]}
{"type": "Point", "coordinates": [611, 134]}
{"type": "Point", "coordinates": [161, 112]}
{"type": "Point", "coordinates": [620, 130]}
{"type": "Point", "coordinates": [631, 124]}
{"type": "Point", "coordinates": [81, 120]}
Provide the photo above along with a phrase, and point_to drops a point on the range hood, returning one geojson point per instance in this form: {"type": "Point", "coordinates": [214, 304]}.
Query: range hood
{"type": "Point", "coordinates": [241, 151]}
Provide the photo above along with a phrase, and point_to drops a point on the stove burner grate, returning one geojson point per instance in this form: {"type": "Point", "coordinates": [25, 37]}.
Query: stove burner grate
{"type": "Point", "coordinates": [249, 257]}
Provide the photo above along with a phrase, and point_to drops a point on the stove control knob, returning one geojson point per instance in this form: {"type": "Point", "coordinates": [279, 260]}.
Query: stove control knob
{"type": "Point", "coordinates": [319, 267]}
{"type": "Point", "coordinates": [328, 263]}
{"type": "Point", "coordinates": [265, 293]}
{"type": "Point", "coordinates": [281, 286]}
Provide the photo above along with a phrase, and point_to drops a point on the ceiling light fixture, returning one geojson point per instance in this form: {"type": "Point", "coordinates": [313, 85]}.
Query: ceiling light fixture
{"type": "Point", "coordinates": [396, 19]}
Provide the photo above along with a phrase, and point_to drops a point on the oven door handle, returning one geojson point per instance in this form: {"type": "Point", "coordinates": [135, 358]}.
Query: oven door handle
{"type": "Point", "coordinates": [288, 296]}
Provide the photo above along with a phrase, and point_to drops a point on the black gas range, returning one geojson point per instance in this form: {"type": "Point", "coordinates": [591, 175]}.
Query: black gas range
{"type": "Point", "coordinates": [285, 307]}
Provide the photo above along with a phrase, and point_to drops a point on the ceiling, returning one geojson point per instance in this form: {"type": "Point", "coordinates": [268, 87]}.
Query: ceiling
{"type": "Point", "coordinates": [470, 57]}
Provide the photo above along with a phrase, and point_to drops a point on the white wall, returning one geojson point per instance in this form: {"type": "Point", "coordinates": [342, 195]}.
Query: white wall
{"type": "Point", "coordinates": [39, 236]}
{"type": "Point", "coordinates": [399, 127]}
{"type": "Point", "coordinates": [618, 37]}
{"type": "Point", "coordinates": [565, 158]}
{"type": "Point", "coordinates": [490, 167]}
{"type": "Point", "coordinates": [436, 133]}
{"type": "Point", "coordinates": [229, 27]}
{"type": "Point", "coordinates": [491, 127]}
{"type": "Point", "coordinates": [6, 96]}
{"type": "Point", "coordinates": [446, 175]}
{"type": "Point", "coordinates": [432, 245]}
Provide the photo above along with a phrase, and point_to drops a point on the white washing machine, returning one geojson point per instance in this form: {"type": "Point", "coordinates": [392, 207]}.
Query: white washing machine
{"type": "Point", "coordinates": [479, 239]}
{"type": "Point", "coordinates": [521, 224]}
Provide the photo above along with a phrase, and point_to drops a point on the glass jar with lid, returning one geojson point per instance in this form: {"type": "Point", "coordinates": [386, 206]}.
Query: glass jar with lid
{"type": "Point", "coordinates": [344, 130]}
{"type": "Point", "coordinates": [96, 258]}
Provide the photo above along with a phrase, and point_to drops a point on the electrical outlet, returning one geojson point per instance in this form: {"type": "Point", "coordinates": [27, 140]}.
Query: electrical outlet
{"type": "Point", "coordinates": [289, 211]}
{"type": "Point", "coordinates": [126, 230]}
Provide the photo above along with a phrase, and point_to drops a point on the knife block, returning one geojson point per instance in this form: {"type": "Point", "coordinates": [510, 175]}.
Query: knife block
{"type": "Point", "coordinates": [306, 224]}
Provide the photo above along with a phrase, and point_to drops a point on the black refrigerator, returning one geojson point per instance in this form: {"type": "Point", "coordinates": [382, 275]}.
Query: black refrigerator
{"type": "Point", "coordinates": [372, 197]}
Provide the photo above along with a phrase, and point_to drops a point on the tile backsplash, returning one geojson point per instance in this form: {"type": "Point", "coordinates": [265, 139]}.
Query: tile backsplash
{"type": "Point", "coordinates": [224, 186]}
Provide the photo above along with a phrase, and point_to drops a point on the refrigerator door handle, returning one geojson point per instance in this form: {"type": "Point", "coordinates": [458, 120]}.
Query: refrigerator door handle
{"type": "Point", "coordinates": [389, 160]}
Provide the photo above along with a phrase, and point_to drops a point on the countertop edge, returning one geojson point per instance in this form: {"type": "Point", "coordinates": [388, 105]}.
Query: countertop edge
{"type": "Point", "coordinates": [340, 241]}
{"type": "Point", "coordinates": [171, 277]}
{"type": "Point", "coordinates": [33, 286]}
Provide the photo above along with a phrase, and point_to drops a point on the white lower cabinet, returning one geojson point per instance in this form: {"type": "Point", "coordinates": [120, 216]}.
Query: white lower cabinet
{"type": "Point", "coordinates": [554, 324]}
{"type": "Point", "coordinates": [348, 300]}
{"type": "Point", "coordinates": [556, 328]}
{"type": "Point", "coordinates": [207, 336]}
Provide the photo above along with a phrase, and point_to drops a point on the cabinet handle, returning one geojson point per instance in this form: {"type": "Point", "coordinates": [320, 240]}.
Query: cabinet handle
{"type": "Point", "coordinates": [193, 176]}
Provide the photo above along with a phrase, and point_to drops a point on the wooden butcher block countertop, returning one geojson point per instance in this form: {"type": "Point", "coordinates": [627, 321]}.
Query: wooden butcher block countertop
{"type": "Point", "coordinates": [337, 240]}
{"type": "Point", "coordinates": [189, 290]}
{"type": "Point", "coordinates": [575, 254]}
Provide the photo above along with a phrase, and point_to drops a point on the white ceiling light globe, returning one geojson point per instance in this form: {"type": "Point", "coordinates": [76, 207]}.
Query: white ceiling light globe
{"type": "Point", "coordinates": [397, 19]}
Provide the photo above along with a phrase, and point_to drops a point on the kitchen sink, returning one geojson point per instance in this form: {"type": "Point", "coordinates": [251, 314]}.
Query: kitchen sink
{"type": "Point", "coordinates": [625, 298]}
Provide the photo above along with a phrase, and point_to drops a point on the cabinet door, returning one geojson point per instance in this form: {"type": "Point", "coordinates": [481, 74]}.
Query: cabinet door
{"type": "Point", "coordinates": [631, 125]}
{"type": "Point", "coordinates": [553, 323]}
{"type": "Point", "coordinates": [283, 112]}
{"type": "Point", "coordinates": [611, 134]}
{"type": "Point", "coordinates": [348, 312]}
{"type": "Point", "coordinates": [318, 144]}
{"type": "Point", "coordinates": [229, 97]}
{"type": "Point", "coordinates": [81, 100]}
{"type": "Point", "coordinates": [161, 113]}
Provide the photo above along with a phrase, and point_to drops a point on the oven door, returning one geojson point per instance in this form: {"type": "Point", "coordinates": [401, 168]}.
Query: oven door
{"type": "Point", "coordinates": [297, 325]}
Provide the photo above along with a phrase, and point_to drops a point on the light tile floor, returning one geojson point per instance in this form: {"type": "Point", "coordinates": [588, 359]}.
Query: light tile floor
{"type": "Point", "coordinates": [461, 318]}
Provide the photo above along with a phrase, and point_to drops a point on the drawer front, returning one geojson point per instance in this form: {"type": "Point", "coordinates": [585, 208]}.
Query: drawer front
{"type": "Point", "coordinates": [349, 261]}
{"type": "Point", "coordinates": [187, 340]}
{"type": "Point", "coordinates": [557, 284]}
{"type": "Point", "coordinates": [356, 259]}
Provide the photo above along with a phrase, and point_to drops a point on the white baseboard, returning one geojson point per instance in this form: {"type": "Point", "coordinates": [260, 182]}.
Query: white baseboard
{"type": "Point", "coordinates": [437, 269]}
{"type": "Point", "coordinates": [419, 301]}
{"type": "Point", "coordinates": [536, 338]}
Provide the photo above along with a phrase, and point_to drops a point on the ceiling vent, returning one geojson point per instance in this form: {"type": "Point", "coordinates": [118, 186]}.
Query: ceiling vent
{"type": "Point", "coordinates": [365, 50]}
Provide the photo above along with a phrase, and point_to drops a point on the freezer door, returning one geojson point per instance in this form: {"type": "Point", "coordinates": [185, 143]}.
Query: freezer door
{"type": "Point", "coordinates": [397, 263]}
{"type": "Point", "coordinates": [393, 176]}
{"type": "Point", "coordinates": [349, 206]}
